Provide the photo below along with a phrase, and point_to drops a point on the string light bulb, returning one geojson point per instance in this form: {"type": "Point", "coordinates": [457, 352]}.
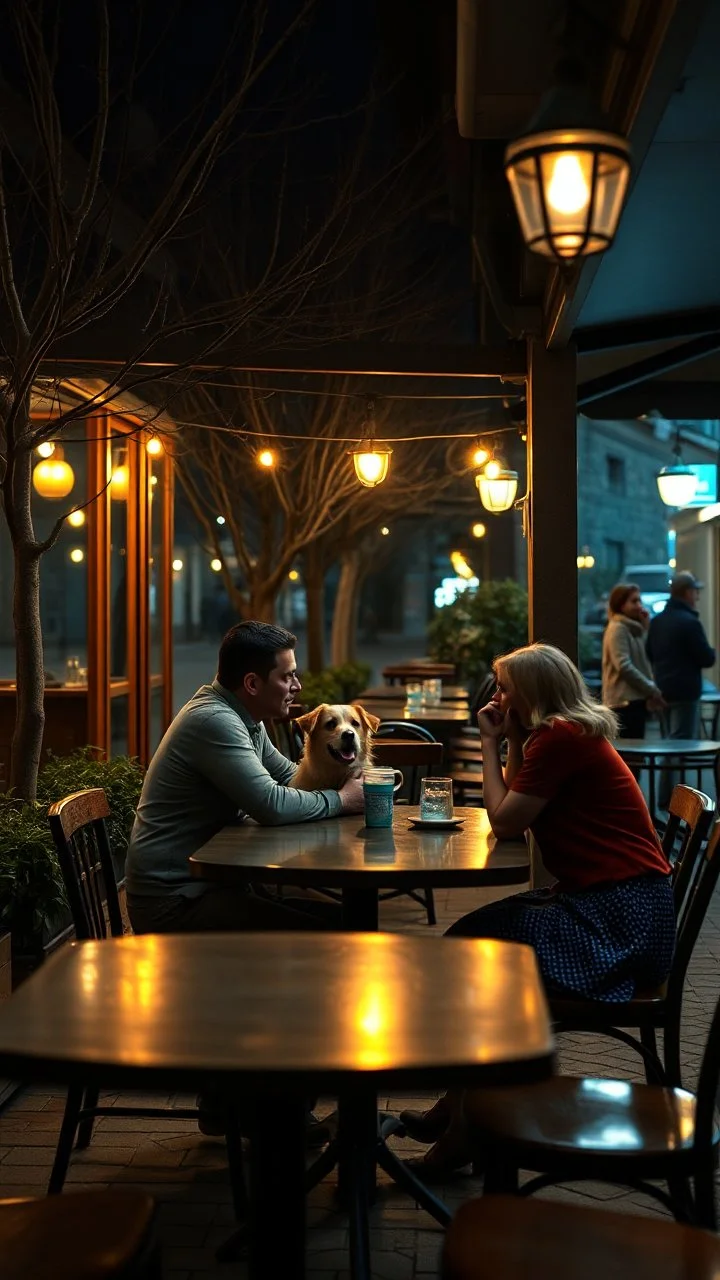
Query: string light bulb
{"type": "Point", "coordinates": [480, 455]}
{"type": "Point", "coordinates": [76, 519]}
{"type": "Point", "coordinates": [266, 458]}
{"type": "Point", "coordinates": [216, 565]}
{"type": "Point", "coordinates": [479, 529]}
{"type": "Point", "coordinates": [77, 555]}
{"type": "Point", "coordinates": [46, 449]}
{"type": "Point", "coordinates": [155, 447]}
{"type": "Point", "coordinates": [293, 575]}
{"type": "Point", "coordinates": [53, 477]}
{"type": "Point", "coordinates": [371, 460]}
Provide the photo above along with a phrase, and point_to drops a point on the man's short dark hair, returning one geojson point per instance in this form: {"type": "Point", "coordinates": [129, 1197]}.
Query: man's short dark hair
{"type": "Point", "coordinates": [251, 646]}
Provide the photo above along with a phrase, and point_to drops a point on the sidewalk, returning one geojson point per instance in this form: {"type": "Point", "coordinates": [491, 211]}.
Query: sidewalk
{"type": "Point", "coordinates": [187, 1174]}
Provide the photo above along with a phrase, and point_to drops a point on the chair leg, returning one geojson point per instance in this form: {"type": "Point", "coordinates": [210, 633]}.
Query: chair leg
{"type": "Point", "coordinates": [671, 1045]}
{"type": "Point", "coordinates": [85, 1128]}
{"type": "Point", "coordinates": [654, 1070]}
{"type": "Point", "coordinates": [68, 1129]}
{"type": "Point", "coordinates": [430, 906]}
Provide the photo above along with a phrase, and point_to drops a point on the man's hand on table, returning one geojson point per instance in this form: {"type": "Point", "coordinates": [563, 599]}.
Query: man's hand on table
{"type": "Point", "coordinates": [351, 796]}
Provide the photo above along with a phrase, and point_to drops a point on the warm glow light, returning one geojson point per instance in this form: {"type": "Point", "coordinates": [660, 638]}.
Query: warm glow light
{"type": "Point", "coordinates": [177, 566]}
{"type": "Point", "coordinates": [673, 562]}
{"type": "Point", "coordinates": [219, 519]}
{"type": "Point", "coordinates": [266, 458]}
{"type": "Point", "coordinates": [371, 463]}
{"type": "Point", "coordinates": [497, 491]}
{"type": "Point", "coordinates": [155, 446]}
{"type": "Point", "coordinates": [77, 555]}
{"type": "Point", "coordinates": [76, 519]}
{"type": "Point", "coordinates": [479, 530]}
{"type": "Point", "coordinates": [153, 481]}
{"type": "Point", "coordinates": [480, 456]}
{"type": "Point", "coordinates": [384, 531]}
{"type": "Point", "coordinates": [585, 562]}
{"type": "Point", "coordinates": [568, 191]}
{"type": "Point", "coordinates": [492, 470]}
{"type": "Point", "coordinates": [46, 449]}
{"type": "Point", "coordinates": [294, 576]}
{"type": "Point", "coordinates": [460, 565]}
{"type": "Point", "coordinates": [53, 477]}
{"type": "Point", "coordinates": [215, 565]}
{"type": "Point", "coordinates": [120, 483]}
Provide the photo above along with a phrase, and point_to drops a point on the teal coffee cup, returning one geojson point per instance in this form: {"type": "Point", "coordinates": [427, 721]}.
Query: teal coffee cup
{"type": "Point", "coordinates": [379, 787]}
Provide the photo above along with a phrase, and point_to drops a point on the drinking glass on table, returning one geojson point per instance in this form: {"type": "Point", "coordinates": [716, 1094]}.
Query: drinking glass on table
{"type": "Point", "coordinates": [414, 695]}
{"type": "Point", "coordinates": [432, 693]}
{"type": "Point", "coordinates": [436, 799]}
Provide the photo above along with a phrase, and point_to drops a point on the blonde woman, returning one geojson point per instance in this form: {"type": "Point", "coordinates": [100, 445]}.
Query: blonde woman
{"type": "Point", "coordinates": [627, 681]}
{"type": "Point", "coordinates": [607, 925]}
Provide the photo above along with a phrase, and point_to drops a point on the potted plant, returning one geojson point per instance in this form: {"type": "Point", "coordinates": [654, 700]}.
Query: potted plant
{"type": "Point", "coordinates": [33, 904]}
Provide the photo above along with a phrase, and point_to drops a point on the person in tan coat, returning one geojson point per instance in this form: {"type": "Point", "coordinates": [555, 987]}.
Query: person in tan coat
{"type": "Point", "coordinates": [627, 680]}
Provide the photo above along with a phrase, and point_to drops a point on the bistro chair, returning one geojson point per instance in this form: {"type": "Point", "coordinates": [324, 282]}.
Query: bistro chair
{"type": "Point", "coordinates": [503, 1238]}
{"type": "Point", "coordinates": [78, 829]}
{"type": "Point", "coordinates": [93, 1235]}
{"type": "Point", "coordinates": [416, 755]}
{"type": "Point", "coordinates": [568, 1129]}
{"type": "Point", "coordinates": [695, 874]}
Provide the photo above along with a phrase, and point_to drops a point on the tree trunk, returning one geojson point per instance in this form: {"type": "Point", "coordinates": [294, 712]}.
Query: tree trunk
{"type": "Point", "coordinates": [344, 628]}
{"type": "Point", "coordinates": [315, 600]}
{"type": "Point", "coordinates": [261, 605]}
{"type": "Point", "coordinates": [30, 713]}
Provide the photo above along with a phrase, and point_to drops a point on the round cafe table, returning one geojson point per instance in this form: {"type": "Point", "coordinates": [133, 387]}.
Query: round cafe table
{"type": "Point", "coordinates": [359, 861]}
{"type": "Point", "coordinates": [679, 755]}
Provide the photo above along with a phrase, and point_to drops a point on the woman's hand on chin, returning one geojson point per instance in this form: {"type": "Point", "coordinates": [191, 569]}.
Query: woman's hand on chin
{"type": "Point", "coordinates": [491, 721]}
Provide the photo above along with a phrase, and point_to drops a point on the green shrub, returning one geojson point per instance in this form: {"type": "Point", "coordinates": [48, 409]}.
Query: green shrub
{"type": "Point", "coordinates": [319, 687]}
{"type": "Point", "coordinates": [478, 626]}
{"type": "Point", "coordinates": [32, 894]}
{"type": "Point", "coordinates": [352, 678]}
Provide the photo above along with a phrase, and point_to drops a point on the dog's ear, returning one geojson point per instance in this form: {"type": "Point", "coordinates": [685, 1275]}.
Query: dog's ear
{"type": "Point", "coordinates": [307, 722]}
{"type": "Point", "coordinates": [370, 723]}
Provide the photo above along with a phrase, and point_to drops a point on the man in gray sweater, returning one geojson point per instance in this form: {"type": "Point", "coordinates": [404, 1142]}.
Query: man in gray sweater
{"type": "Point", "coordinates": [216, 766]}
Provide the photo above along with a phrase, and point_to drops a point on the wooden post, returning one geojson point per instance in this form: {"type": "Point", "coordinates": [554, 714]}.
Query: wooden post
{"type": "Point", "coordinates": [552, 482]}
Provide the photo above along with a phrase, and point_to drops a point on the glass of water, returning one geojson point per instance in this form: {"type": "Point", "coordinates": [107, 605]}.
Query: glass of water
{"type": "Point", "coordinates": [436, 799]}
{"type": "Point", "coordinates": [432, 693]}
{"type": "Point", "coordinates": [414, 695]}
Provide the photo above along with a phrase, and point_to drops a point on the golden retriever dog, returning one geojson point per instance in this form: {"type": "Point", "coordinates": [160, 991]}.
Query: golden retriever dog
{"type": "Point", "coordinates": [338, 745]}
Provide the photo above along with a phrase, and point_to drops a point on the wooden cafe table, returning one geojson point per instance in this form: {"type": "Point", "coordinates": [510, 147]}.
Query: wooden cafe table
{"type": "Point", "coordinates": [342, 853]}
{"type": "Point", "coordinates": [279, 1017]}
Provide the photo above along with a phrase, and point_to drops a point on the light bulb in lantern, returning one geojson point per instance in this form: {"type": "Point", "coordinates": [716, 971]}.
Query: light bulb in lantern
{"type": "Point", "coordinates": [568, 191]}
{"type": "Point", "coordinates": [76, 519]}
{"type": "Point", "coordinates": [498, 489]}
{"type": "Point", "coordinates": [155, 447]}
{"type": "Point", "coordinates": [266, 458]}
{"type": "Point", "coordinates": [371, 463]}
{"type": "Point", "coordinates": [677, 484]}
{"type": "Point", "coordinates": [53, 477]}
{"type": "Point", "coordinates": [46, 449]}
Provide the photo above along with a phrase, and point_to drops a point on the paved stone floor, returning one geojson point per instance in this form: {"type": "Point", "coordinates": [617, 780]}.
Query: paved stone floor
{"type": "Point", "coordinates": [187, 1173]}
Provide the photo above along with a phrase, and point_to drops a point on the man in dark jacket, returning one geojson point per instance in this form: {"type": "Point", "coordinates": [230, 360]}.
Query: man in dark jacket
{"type": "Point", "coordinates": [678, 650]}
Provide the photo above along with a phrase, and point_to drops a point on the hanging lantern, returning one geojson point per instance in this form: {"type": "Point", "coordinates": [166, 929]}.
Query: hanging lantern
{"type": "Point", "coordinates": [155, 447]}
{"type": "Point", "coordinates": [53, 477]}
{"type": "Point", "coordinates": [568, 173]}
{"type": "Point", "coordinates": [120, 481]}
{"type": "Point", "coordinates": [677, 484]}
{"type": "Point", "coordinates": [371, 460]}
{"type": "Point", "coordinates": [497, 486]}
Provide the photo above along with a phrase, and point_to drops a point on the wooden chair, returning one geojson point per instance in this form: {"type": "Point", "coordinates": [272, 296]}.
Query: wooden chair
{"type": "Point", "coordinates": [465, 767]}
{"type": "Point", "coordinates": [503, 1238]}
{"type": "Point", "coordinates": [93, 1235]}
{"type": "Point", "coordinates": [415, 757]}
{"type": "Point", "coordinates": [78, 828]}
{"type": "Point", "coordinates": [569, 1129]}
{"type": "Point", "coordinates": [694, 879]}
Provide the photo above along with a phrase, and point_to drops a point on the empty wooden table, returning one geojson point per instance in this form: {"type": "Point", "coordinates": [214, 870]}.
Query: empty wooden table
{"type": "Point", "coordinates": [342, 853]}
{"type": "Point", "coordinates": [281, 1016]}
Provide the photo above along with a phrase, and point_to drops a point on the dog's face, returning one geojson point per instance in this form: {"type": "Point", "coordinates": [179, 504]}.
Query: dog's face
{"type": "Point", "coordinates": [344, 733]}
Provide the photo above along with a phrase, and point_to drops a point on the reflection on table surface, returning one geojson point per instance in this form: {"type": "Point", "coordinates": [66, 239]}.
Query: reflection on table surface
{"type": "Point", "coordinates": [345, 846]}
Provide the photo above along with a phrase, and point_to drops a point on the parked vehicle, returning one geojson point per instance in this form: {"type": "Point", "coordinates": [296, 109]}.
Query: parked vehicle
{"type": "Point", "coordinates": [653, 581]}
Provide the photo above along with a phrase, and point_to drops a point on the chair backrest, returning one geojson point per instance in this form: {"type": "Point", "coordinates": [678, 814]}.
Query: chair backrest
{"type": "Point", "coordinates": [285, 735]}
{"type": "Point", "coordinates": [417, 760]}
{"type": "Point", "coordinates": [78, 828]}
{"type": "Point", "coordinates": [403, 731]}
{"type": "Point", "coordinates": [690, 815]}
{"type": "Point", "coordinates": [701, 886]}
{"type": "Point", "coordinates": [482, 694]}
{"type": "Point", "coordinates": [709, 1079]}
